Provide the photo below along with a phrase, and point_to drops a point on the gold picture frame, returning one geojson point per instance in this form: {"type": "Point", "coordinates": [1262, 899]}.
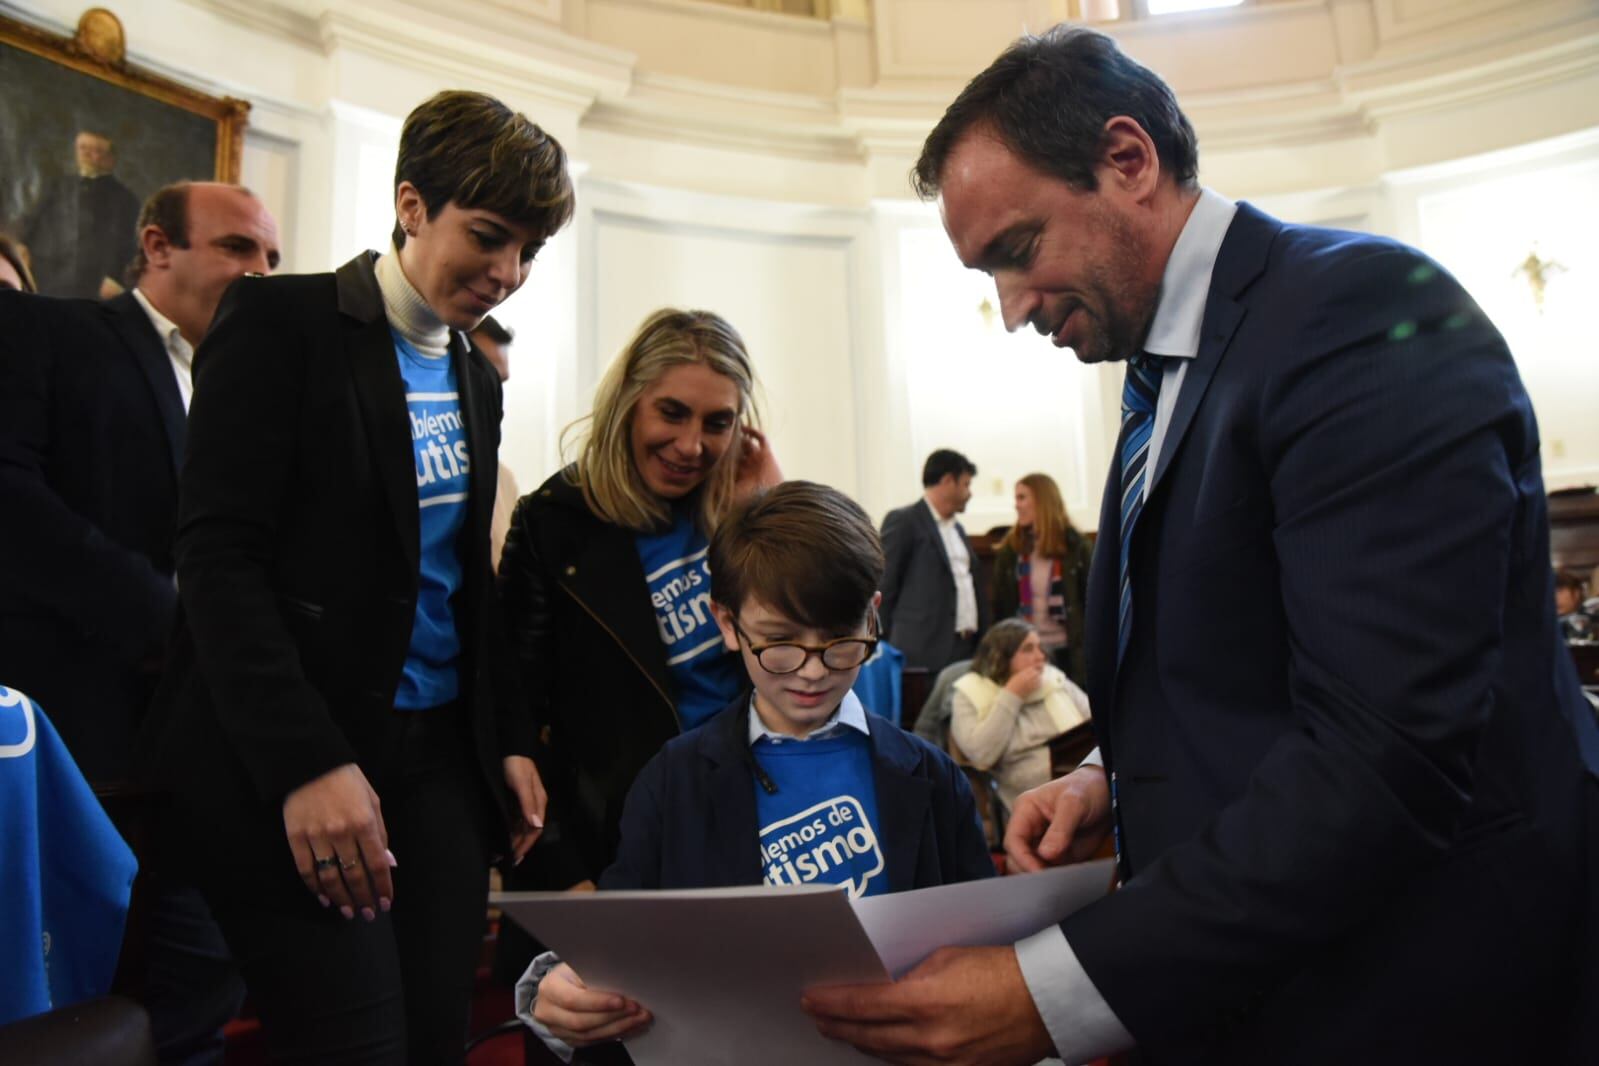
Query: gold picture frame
{"type": "Point", "coordinates": [87, 135]}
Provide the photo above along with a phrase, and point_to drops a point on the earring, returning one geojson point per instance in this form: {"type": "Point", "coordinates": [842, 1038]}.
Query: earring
{"type": "Point", "coordinates": [409, 226]}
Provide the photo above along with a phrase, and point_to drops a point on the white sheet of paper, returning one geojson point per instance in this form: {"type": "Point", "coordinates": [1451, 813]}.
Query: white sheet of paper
{"type": "Point", "coordinates": [906, 927]}
{"type": "Point", "coordinates": [722, 969]}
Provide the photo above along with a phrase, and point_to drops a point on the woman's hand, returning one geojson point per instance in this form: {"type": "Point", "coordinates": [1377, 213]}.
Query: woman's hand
{"type": "Point", "coordinates": [580, 1015]}
{"type": "Point", "coordinates": [757, 466]}
{"type": "Point", "coordinates": [335, 828]}
{"type": "Point", "coordinates": [527, 788]}
{"type": "Point", "coordinates": [1026, 681]}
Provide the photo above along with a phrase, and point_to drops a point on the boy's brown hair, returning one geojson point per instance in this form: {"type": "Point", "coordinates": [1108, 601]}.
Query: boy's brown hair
{"type": "Point", "coordinates": [804, 550]}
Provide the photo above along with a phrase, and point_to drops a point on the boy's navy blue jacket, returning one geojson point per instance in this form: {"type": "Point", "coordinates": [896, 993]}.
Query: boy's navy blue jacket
{"type": "Point", "coordinates": [689, 820]}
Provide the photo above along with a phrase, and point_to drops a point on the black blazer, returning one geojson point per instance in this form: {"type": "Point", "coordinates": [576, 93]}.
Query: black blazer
{"type": "Point", "coordinates": [91, 430]}
{"type": "Point", "coordinates": [298, 550]}
{"type": "Point", "coordinates": [918, 610]}
{"type": "Point", "coordinates": [593, 668]}
{"type": "Point", "coordinates": [691, 819]}
{"type": "Point", "coordinates": [1342, 731]}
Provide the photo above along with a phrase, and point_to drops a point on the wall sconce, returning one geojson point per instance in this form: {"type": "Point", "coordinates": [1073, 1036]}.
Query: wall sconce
{"type": "Point", "coordinates": [1538, 272]}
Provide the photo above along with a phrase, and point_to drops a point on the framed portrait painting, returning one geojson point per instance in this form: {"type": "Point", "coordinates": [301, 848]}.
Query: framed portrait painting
{"type": "Point", "coordinates": [85, 139]}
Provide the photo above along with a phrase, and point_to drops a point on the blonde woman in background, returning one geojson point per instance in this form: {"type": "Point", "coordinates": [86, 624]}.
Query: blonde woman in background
{"type": "Point", "coordinates": [1041, 573]}
{"type": "Point", "coordinates": [604, 583]}
{"type": "Point", "coordinates": [1010, 706]}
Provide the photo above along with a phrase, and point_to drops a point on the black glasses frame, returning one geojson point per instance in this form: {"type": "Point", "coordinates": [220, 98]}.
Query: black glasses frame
{"type": "Point", "coordinates": [818, 650]}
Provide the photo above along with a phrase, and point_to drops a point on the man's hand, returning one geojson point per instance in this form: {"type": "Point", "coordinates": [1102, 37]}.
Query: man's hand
{"type": "Point", "coordinates": [1061, 822]}
{"type": "Point", "coordinates": [580, 1015]}
{"type": "Point", "coordinates": [961, 1005]}
{"type": "Point", "coordinates": [522, 778]}
{"type": "Point", "coordinates": [341, 848]}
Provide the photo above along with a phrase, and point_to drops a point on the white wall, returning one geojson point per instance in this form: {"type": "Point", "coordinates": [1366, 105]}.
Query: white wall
{"type": "Point", "coordinates": [755, 164]}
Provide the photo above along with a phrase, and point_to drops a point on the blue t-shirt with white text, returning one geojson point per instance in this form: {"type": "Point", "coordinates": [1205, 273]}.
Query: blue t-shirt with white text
{"type": "Point", "coordinates": [438, 437]}
{"type": "Point", "coordinates": [820, 825]}
{"type": "Point", "coordinates": [705, 676]}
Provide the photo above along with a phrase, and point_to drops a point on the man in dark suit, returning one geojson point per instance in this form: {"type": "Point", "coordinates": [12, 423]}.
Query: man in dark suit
{"type": "Point", "coordinates": [93, 401]}
{"type": "Point", "coordinates": [1342, 749]}
{"type": "Point", "coordinates": [931, 610]}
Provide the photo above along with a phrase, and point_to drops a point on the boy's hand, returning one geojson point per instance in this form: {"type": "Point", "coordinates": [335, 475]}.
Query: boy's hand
{"type": "Point", "coordinates": [580, 1015]}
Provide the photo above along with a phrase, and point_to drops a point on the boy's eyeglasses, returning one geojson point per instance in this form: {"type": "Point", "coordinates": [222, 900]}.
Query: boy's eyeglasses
{"type": "Point", "coordinates": [788, 657]}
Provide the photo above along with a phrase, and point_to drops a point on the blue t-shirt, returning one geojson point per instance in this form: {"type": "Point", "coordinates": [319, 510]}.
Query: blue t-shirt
{"type": "Point", "coordinates": [821, 822]}
{"type": "Point", "coordinates": [438, 435]}
{"type": "Point", "coordinates": [705, 675]}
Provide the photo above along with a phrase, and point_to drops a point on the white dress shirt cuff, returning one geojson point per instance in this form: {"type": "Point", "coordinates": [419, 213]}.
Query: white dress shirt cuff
{"type": "Point", "coordinates": [1079, 1020]}
{"type": "Point", "coordinates": [1093, 758]}
{"type": "Point", "coordinates": [527, 994]}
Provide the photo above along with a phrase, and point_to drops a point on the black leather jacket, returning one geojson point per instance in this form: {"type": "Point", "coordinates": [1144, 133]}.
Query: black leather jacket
{"type": "Point", "coordinates": [578, 615]}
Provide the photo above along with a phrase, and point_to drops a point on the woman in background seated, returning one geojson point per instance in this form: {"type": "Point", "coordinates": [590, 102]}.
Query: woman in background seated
{"type": "Point", "coordinates": [1041, 573]}
{"type": "Point", "coordinates": [1011, 705]}
{"type": "Point", "coordinates": [604, 582]}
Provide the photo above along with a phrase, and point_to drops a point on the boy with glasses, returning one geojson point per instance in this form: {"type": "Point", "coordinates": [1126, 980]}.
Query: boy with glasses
{"type": "Point", "coordinates": [792, 783]}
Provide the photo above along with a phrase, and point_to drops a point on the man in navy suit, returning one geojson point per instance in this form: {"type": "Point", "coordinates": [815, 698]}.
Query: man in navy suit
{"type": "Point", "coordinates": [1342, 751]}
{"type": "Point", "coordinates": [93, 405]}
{"type": "Point", "coordinates": [931, 610]}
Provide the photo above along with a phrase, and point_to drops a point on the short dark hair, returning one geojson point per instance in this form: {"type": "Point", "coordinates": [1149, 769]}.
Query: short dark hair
{"type": "Point", "coordinates": [998, 647]}
{"type": "Point", "coordinates": [802, 549]}
{"type": "Point", "coordinates": [167, 209]}
{"type": "Point", "coordinates": [491, 328]}
{"type": "Point", "coordinates": [469, 149]}
{"type": "Point", "coordinates": [944, 462]}
{"type": "Point", "coordinates": [1565, 579]}
{"type": "Point", "coordinates": [1048, 97]}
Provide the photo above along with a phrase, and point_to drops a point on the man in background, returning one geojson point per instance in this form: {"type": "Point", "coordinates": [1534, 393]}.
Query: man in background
{"type": "Point", "coordinates": [931, 610]}
{"type": "Point", "coordinates": [93, 406]}
{"type": "Point", "coordinates": [494, 341]}
{"type": "Point", "coordinates": [82, 233]}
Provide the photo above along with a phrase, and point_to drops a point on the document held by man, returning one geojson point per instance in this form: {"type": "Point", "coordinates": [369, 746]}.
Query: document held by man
{"type": "Point", "coordinates": [722, 969]}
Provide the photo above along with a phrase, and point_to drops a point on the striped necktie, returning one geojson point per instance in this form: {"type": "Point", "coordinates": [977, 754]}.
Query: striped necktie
{"type": "Point", "coordinates": [1138, 425]}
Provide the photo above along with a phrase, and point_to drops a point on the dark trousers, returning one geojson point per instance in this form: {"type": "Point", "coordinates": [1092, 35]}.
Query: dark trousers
{"type": "Point", "coordinates": [191, 985]}
{"type": "Point", "coordinates": [398, 989]}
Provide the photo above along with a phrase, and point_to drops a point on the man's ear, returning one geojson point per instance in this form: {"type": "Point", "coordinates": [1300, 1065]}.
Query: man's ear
{"type": "Point", "coordinates": [156, 247]}
{"type": "Point", "coordinates": [877, 600]}
{"type": "Point", "coordinates": [724, 622]}
{"type": "Point", "coordinates": [1129, 160]}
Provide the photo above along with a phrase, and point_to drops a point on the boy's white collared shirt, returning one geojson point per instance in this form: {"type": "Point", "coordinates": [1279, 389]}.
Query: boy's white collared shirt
{"type": "Point", "coordinates": [851, 714]}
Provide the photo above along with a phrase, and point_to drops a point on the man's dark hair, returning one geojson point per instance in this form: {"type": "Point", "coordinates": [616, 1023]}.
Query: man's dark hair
{"type": "Point", "coordinates": [804, 550]}
{"type": "Point", "coordinates": [470, 149]}
{"type": "Point", "coordinates": [168, 210]}
{"type": "Point", "coordinates": [943, 463]}
{"type": "Point", "coordinates": [491, 328]}
{"type": "Point", "coordinates": [1048, 98]}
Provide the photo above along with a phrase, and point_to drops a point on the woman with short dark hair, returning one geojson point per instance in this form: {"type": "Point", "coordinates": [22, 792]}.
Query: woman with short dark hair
{"type": "Point", "coordinates": [337, 647]}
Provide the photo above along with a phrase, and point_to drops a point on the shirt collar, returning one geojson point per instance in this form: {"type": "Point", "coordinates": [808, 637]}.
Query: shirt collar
{"type": "Point", "coordinates": [850, 715]}
{"type": "Point", "coordinates": [171, 337]}
{"type": "Point", "coordinates": [1185, 285]}
{"type": "Point", "coordinates": [943, 523]}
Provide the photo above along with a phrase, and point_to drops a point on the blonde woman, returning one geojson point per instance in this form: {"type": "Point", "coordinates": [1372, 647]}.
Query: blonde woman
{"type": "Point", "coordinates": [1010, 706]}
{"type": "Point", "coordinates": [1041, 573]}
{"type": "Point", "coordinates": [604, 582]}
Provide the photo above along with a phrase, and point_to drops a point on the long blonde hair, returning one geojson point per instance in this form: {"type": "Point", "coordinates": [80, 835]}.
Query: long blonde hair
{"type": "Point", "coordinates": [1050, 524]}
{"type": "Point", "coordinates": [605, 471]}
